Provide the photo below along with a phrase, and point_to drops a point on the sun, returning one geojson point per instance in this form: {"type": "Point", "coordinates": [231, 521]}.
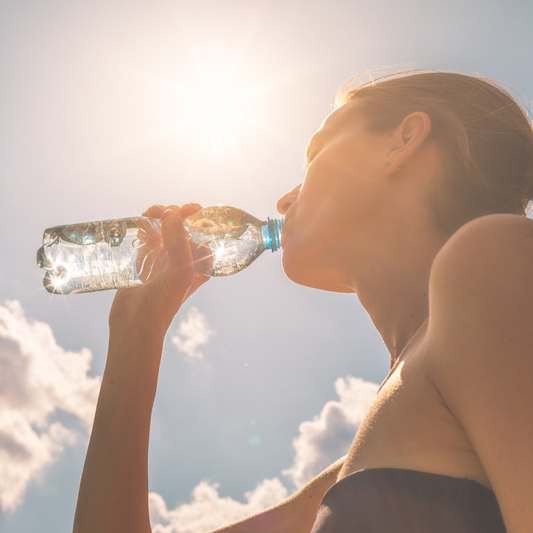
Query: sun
{"type": "Point", "coordinates": [221, 114]}
{"type": "Point", "coordinates": [216, 102]}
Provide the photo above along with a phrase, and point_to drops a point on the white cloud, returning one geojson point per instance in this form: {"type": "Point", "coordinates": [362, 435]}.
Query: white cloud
{"type": "Point", "coordinates": [193, 332]}
{"type": "Point", "coordinates": [321, 442]}
{"type": "Point", "coordinates": [327, 437]}
{"type": "Point", "coordinates": [207, 510]}
{"type": "Point", "coordinates": [37, 378]}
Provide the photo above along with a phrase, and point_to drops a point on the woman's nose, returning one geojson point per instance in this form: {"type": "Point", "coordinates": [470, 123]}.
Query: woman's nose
{"type": "Point", "coordinates": [287, 200]}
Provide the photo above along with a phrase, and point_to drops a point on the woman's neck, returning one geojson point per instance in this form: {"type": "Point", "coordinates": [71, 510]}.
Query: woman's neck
{"type": "Point", "coordinates": [393, 283]}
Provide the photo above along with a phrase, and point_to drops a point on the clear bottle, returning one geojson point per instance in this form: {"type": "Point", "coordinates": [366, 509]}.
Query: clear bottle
{"type": "Point", "coordinates": [127, 252]}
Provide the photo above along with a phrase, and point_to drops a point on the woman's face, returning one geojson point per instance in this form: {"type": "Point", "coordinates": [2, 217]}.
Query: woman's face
{"type": "Point", "coordinates": [343, 190]}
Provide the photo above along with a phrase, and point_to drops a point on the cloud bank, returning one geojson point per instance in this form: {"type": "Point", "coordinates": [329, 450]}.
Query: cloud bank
{"type": "Point", "coordinates": [327, 437]}
{"type": "Point", "coordinates": [207, 510]}
{"type": "Point", "coordinates": [320, 443]}
{"type": "Point", "coordinates": [193, 331]}
{"type": "Point", "coordinates": [37, 378]}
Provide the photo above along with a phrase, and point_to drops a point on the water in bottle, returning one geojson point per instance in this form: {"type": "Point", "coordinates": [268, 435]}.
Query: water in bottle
{"type": "Point", "coordinates": [127, 252]}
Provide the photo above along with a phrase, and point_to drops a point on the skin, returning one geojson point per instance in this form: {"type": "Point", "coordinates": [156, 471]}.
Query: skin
{"type": "Point", "coordinates": [454, 313]}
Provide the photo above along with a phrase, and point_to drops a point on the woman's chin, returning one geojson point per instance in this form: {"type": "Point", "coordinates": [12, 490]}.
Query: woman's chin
{"type": "Point", "coordinates": [309, 272]}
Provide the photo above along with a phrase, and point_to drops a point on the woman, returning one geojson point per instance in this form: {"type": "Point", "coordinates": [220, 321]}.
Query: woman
{"type": "Point", "coordinates": [414, 199]}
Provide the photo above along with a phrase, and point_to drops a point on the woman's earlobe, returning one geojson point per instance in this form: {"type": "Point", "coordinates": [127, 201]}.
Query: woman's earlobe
{"type": "Point", "coordinates": [393, 170]}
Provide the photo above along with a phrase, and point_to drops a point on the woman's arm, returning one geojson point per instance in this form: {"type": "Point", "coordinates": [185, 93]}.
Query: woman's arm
{"type": "Point", "coordinates": [113, 496]}
{"type": "Point", "coordinates": [481, 334]}
{"type": "Point", "coordinates": [296, 514]}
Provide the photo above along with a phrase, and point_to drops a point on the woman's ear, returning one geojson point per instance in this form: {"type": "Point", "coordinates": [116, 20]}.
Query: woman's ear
{"type": "Point", "coordinates": [407, 138]}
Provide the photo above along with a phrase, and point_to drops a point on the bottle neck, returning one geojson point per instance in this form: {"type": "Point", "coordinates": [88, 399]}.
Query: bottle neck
{"type": "Point", "coordinates": [271, 231]}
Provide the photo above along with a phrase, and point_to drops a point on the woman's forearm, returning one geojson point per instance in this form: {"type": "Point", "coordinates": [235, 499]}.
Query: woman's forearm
{"type": "Point", "coordinates": [113, 496]}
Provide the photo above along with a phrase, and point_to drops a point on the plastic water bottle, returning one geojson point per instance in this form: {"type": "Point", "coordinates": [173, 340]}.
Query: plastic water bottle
{"type": "Point", "coordinates": [127, 252]}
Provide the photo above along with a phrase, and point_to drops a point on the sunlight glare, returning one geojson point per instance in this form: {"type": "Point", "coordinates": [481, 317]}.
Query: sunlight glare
{"type": "Point", "coordinates": [215, 102]}
{"type": "Point", "coordinates": [220, 250]}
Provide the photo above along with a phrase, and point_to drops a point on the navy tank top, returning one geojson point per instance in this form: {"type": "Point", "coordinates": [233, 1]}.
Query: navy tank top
{"type": "Point", "coordinates": [393, 500]}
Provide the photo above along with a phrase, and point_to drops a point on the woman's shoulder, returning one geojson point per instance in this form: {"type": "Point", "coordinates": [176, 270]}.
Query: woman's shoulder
{"type": "Point", "coordinates": [489, 233]}
{"type": "Point", "coordinates": [481, 292]}
{"type": "Point", "coordinates": [488, 257]}
{"type": "Point", "coordinates": [480, 298]}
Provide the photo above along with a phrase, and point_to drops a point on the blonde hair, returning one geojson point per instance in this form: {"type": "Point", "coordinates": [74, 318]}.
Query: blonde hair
{"type": "Point", "coordinates": [485, 135]}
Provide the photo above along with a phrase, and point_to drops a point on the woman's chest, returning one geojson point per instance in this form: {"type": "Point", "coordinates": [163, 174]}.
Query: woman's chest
{"type": "Point", "coordinates": [409, 426]}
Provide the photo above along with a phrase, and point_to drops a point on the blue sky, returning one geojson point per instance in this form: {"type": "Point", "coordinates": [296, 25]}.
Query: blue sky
{"type": "Point", "coordinates": [109, 107]}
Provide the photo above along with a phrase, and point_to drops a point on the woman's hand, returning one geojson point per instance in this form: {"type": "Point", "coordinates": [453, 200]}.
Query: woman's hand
{"type": "Point", "coordinates": [154, 304]}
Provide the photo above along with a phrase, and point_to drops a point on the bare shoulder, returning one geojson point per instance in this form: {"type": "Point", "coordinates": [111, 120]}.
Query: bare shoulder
{"type": "Point", "coordinates": [480, 341]}
{"type": "Point", "coordinates": [487, 261]}
{"type": "Point", "coordinates": [489, 235]}
{"type": "Point", "coordinates": [481, 289]}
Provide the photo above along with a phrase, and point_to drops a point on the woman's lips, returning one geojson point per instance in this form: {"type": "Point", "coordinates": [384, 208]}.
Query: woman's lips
{"type": "Point", "coordinates": [283, 234]}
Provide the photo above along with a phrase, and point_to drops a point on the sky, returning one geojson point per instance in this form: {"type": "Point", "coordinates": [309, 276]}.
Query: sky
{"type": "Point", "coordinates": [109, 107]}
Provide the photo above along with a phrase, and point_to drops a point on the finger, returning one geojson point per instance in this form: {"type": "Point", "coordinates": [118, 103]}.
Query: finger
{"type": "Point", "coordinates": [154, 211]}
{"type": "Point", "coordinates": [176, 240]}
{"type": "Point", "coordinates": [171, 210]}
{"type": "Point", "coordinates": [189, 209]}
{"type": "Point", "coordinates": [202, 257]}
